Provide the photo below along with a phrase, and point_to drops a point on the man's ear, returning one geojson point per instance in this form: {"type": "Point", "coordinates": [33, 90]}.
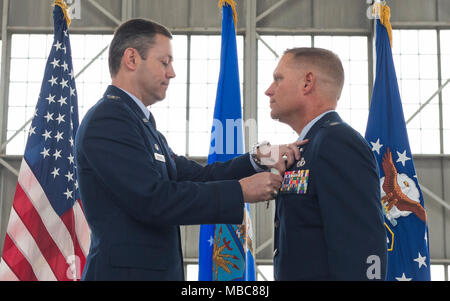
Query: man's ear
{"type": "Point", "coordinates": [309, 82]}
{"type": "Point", "coordinates": [131, 59]}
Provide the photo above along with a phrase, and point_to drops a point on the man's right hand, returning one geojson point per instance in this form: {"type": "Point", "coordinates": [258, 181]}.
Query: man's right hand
{"type": "Point", "coordinates": [260, 187]}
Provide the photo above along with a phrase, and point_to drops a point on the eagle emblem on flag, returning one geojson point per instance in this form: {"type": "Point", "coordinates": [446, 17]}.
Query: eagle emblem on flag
{"type": "Point", "coordinates": [400, 196]}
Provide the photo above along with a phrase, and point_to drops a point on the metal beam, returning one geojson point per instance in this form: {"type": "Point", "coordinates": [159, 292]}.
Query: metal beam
{"type": "Point", "coordinates": [270, 10]}
{"type": "Point", "coordinates": [48, 30]}
{"type": "Point", "coordinates": [263, 245]}
{"type": "Point", "coordinates": [127, 10]}
{"type": "Point", "coordinates": [435, 197]}
{"type": "Point", "coordinates": [250, 73]}
{"type": "Point", "coordinates": [9, 167]}
{"type": "Point", "coordinates": [4, 87]}
{"type": "Point", "coordinates": [105, 12]}
{"type": "Point", "coordinates": [4, 144]}
{"type": "Point", "coordinates": [268, 46]}
{"type": "Point", "coordinates": [311, 30]}
{"type": "Point", "coordinates": [4, 71]}
{"type": "Point", "coordinates": [91, 61]}
{"type": "Point", "coordinates": [428, 101]}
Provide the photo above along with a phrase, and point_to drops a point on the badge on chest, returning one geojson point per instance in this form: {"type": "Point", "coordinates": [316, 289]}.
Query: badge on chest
{"type": "Point", "coordinates": [160, 157]}
{"type": "Point", "coordinates": [295, 181]}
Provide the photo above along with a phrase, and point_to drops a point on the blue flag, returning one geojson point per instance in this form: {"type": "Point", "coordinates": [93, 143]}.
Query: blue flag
{"type": "Point", "coordinates": [225, 251]}
{"type": "Point", "coordinates": [405, 217]}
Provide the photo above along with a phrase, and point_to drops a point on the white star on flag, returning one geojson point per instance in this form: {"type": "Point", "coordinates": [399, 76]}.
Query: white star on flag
{"type": "Point", "coordinates": [32, 131]}
{"type": "Point", "coordinates": [49, 116]}
{"type": "Point", "coordinates": [402, 157]}
{"type": "Point", "coordinates": [211, 241]}
{"type": "Point", "coordinates": [57, 154]}
{"type": "Point", "coordinates": [421, 260]}
{"type": "Point", "coordinates": [63, 84]}
{"type": "Point", "coordinates": [68, 193]}
{"type": "Point", "coordinates": [403, 278]}
{"type": "Point", "coordinates": [55, 63]}
{"type": "Point", "coordinates": [57, 45]}
{"type": "Point", "coordinates": [65, 66]}
{"type": "Point", "coordinates": [47, 135]}
{"type": "Point", "coordinates": [71, 159]}
{"type": "Point", "coordinates": [59, 136]}
{"type": "Point", "coordinates": [62, 101]}
{"type": "Point", "coordinates": [60, 118]}
{"type": "Point", "coordinates": [50, 98]}
{"type": "Point", "coordinates": [55, 172]}
{"type": "Point", "coordinates": [376, 146]}
{"type": "Point", "coordinates": [45, 152]}
{"type": "Point", "coordinates": [69, 176]}
{"type": "Point", "coordinates": [72, 75]}
{"type": "Point", "coordinates": [52, 81]}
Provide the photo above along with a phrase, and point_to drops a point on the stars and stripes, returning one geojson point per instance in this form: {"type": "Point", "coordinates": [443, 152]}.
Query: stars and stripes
{"type": "Point", "coordinates": [48, 236]}
{"type": "Point", "coordinates": [405, 216]}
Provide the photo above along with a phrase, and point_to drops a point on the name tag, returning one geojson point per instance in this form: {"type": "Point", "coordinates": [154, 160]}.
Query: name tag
{"type": "Point", "coordinates": [160, 157]}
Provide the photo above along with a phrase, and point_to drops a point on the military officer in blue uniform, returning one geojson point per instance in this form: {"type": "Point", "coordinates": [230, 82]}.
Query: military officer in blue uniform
{"type": "Point", "coordinates": [328, 216]}
{"type": "Point", "coordinates": [135, 191]}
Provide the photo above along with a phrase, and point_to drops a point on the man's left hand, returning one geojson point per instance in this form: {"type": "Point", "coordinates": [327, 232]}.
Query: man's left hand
{"type": "Point", "coordinates": [280, 156]}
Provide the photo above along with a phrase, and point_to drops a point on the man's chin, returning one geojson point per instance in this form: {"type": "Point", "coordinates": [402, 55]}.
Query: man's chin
{"type": "Point", "coordinates": [274, 115]}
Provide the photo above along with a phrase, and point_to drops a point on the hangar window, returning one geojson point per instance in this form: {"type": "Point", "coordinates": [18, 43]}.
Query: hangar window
{"type": "Point", "coordinates": [416, 64]}
{"type": "Point", "coordinates": [203, 78]}
{"type": "Point", "coordinates": [445, 76]}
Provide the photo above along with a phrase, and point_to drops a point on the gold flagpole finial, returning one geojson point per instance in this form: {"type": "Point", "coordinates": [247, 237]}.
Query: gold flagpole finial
{"type": "Point", "coordinates": [233, 7]}
{"type": "Point", "coordinates": [64, 7]}
{"type": "Point", "coordinates": [384, 12]}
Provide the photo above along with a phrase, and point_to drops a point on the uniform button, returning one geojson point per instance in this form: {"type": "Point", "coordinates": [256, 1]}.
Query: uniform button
{"type": "Point", "coordinates": [276, 224]}
{"type": "Point", "coordinates": [275, 252]}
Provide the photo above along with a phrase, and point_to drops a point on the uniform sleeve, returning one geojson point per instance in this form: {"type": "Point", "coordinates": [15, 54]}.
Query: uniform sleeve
{"type": "Point", "coordinates": [349, 198]}
{"type": "Point", "coordinates": [234, 169]}
{"type": "Point", "coordinates": [113, 146]}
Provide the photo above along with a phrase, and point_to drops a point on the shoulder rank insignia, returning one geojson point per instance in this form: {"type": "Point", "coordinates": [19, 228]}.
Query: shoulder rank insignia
{"type": "Point", "coordinates": [114, 97]}
{"type": "Point", "coordinates": [295, 181]}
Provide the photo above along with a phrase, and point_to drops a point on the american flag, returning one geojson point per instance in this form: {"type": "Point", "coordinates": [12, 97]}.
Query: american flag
{"type": "Point", "coordinates": [48, 236]}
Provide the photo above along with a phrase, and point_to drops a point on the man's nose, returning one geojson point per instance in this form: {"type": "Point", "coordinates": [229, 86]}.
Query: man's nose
{"type": "Point", "coordinates": [171, 72]}
{"type": "Point", "coordinates": [269, 91]}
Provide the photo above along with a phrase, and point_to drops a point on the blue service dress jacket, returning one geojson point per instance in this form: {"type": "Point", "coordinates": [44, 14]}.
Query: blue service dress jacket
{"type": "Point", "coordinates": [328, 219]}
{"type": "Point", "coordinates": [136, 192]}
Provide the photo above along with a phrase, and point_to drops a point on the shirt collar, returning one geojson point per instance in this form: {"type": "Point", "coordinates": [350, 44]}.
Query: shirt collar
{"type": "Point", "coordinates": [306, 129]}
{"type": "Point", "coordinates": [139, 103]}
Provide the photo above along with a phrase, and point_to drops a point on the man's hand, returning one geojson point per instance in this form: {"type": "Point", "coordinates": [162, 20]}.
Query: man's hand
{"type": "Point", "coordinates": [260, 187]}
{"type": "Point", "coordinates": [281, 156]}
